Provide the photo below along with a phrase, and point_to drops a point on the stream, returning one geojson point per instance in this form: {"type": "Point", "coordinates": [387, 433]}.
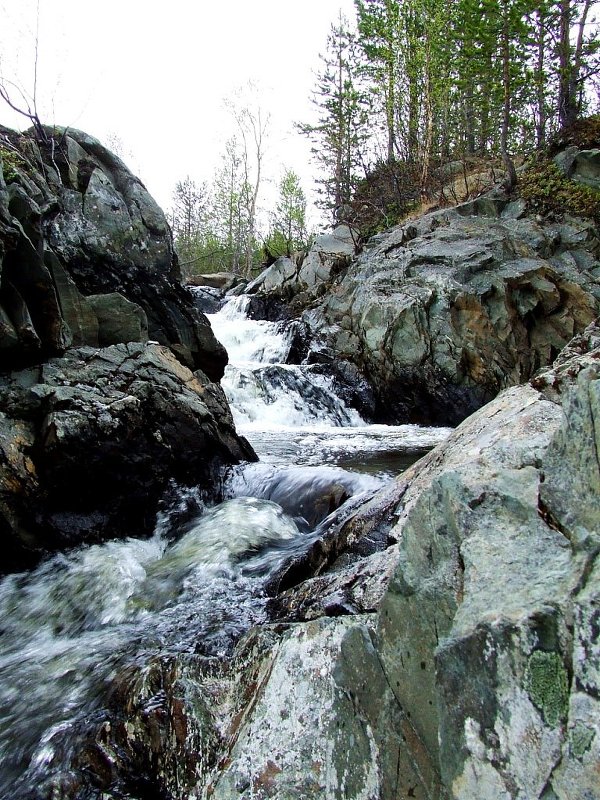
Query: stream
{"type": "Point", "coordinates": [69, 626]}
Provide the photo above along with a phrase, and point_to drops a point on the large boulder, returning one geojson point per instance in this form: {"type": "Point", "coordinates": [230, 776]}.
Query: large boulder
{"type": "Point", "coordinates": [108, 371]}
{"type": "Point", "coordinates": [308, 274]}
{"type": "Point", "coordinates": [477, 677]}
{"type": "Point", "coordinates": [458, 661]}
{"type": "Point", "coordinates": [443, 313]}
{"type": "Point", "coordinates": [75, 223]}
{"type": "Point", "coordinates": [91, 441]}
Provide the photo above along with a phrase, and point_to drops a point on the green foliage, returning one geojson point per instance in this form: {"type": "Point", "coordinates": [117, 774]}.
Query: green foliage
{"type": "Point", "coordinates": [11, 164]}
{"type": "Point", "coordinates": [547, 685]}
{"type": "Point", "coordinates": [288, 221]}
{"type": "Point", "coordinates": [341, 131]}
{"type": "Point", "coordinates": [548, 190]}
{"type": "Point", "coordinates": [446, 81]}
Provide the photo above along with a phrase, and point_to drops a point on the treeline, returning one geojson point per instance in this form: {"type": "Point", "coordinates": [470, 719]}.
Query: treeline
{"type": "Point", "coordinates": [403, 91]}
{"type": "Point", "coordinates": [409, 86]}
{"type": "Point", "coordinates": [217, 226]}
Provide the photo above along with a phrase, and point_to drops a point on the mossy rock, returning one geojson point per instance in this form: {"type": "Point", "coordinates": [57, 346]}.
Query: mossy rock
{"type": "Point", "coordinates": [547, 190]}
{"type": "Point", "coordinates": [10, 164]}
{"type": "Point", "coordinates": [547, 685]}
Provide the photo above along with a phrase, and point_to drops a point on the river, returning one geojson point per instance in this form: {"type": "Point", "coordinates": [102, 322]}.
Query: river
{"type": "Point", "coordinates": [69, 626]}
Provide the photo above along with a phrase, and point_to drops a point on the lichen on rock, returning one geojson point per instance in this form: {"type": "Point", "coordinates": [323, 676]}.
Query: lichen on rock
{"type": "Point", "coordinates": [546, 682]}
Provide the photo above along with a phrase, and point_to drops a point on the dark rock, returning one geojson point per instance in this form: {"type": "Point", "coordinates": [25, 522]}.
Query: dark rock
{"type": "Point", "coordinates": [119, 320]}
{"type": "Point", "coordinates": [74, 223]}
{"type": "Point", "coordinates": [207, 300]}
{"type": "Point", "coordinates": [268, 307]}
{"type": "Point", "coordinates": [153, 746]}
{"type": "Point", "coordinates": [89, 443]}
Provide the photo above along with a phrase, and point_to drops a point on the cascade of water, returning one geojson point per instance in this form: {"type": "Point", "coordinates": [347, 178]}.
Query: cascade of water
{"type": "Point", "coordinates": [69, 627]}
{"type": "Point", "coordinates": [264, 391]}
{"type": "Point", "coordinates": [292, 414]}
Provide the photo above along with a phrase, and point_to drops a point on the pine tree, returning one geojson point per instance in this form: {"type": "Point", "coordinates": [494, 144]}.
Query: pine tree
{"type": "Point", "coordinates": [378, 28]}
{"type": "Point", "coordinates": [340, 133]}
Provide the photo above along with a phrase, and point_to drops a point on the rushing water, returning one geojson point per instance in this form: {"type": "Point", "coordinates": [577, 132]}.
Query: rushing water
{"type": "Point", "coordinates": [68, 627]}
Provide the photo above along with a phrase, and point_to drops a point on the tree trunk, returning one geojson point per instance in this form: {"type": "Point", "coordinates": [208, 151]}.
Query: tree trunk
{"type": "Point", "coordinates": [570, 62]}
{"type": "Point", "coordinates": [540, 81]}
{"type": "Point", "coordinates": [511, 175]}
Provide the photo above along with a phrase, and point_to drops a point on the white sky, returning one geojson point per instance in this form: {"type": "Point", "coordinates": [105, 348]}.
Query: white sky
{"type": "Point", "coordinates": [156, 74]}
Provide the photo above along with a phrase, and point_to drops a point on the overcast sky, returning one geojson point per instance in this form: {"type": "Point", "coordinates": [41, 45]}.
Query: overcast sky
{"type": "Point", "coordinates": [155, 74]}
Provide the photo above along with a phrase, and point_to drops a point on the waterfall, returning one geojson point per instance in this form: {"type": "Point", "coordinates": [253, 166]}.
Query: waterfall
{"type": "Point", "coordinates": [264, 392]}
{"type": "Point", "coordinates": [69, 627]}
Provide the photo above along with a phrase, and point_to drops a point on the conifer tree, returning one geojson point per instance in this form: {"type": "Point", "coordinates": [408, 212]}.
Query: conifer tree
{"type": "Point", "coordinates": [339, 135]}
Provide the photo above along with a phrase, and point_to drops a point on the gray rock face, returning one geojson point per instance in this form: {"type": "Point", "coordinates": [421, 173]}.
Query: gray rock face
{"type": "Point", "coordinates": [90, 441]}
{"type": "Point", "coordinates": [75, 223]}
{"type": "Point", "coordinates": [311, 272]}
{"type": "Point", "coordinates": [442, 314]}
{"type": "Point", "coordinates": [464, 664]}
{"type": "Point", "coordinates": [582, 166]}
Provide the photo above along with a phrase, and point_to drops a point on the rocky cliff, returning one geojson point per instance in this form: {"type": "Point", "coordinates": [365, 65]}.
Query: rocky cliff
{"type": "Point", "coordinates": [442, 313]}
{"type": "Point", "coordinates": [87, 256]}
{"type": "Point", "coordinates": [108, 373]}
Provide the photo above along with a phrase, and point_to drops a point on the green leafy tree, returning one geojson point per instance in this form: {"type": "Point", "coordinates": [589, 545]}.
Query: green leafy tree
{"type": "Point", "coordinates": [228, 206]}
{"type": "Point", "coordinates": [189, 219]}
{"type": "Point", "coordinates": [288, 222]}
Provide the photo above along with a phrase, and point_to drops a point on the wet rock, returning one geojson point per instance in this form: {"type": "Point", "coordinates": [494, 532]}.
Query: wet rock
{"type": "Point", "coordinates": [470, 666]}
{"type": "Point", "coordinates": [153, 746]}
{"type": "Point", "coordinates": [439, 315]}
{"type": "Point", "coordinates": [206, 299]}
{"type": "Point", "coordinates": [90, 441]}
{"type": "Point", "coordinates": [452, 655]}
{"type": "Point", "coordinates": [75, 223]}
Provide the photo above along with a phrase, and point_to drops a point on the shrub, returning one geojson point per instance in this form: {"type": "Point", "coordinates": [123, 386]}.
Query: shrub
{"type": "Point", "coordinates": [11, 164]}
{"type": "Point", "coordinates": [386, 195]}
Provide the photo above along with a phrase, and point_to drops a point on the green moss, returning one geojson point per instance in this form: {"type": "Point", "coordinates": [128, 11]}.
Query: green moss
{"type": "Point", "coordinates": [548, 190]}
{"type": "Point", "coordinates": [547, 685]}
{"type": "Point", "coordinates": [10, 163]}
